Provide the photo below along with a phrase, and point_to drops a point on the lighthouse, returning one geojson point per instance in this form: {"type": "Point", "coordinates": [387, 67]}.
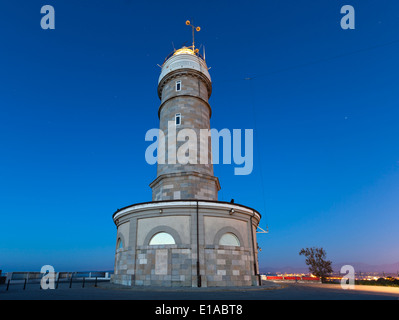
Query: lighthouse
{"type": "Point", "coordinates": [185, 236]}
{"type": "Point", "coordinates": [184, 88]}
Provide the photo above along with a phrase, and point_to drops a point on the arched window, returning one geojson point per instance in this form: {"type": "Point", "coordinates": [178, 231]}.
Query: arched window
{"type": "Point", "coordinates": [162, 238]}
{"type": "Point", "coordinates": [119, 244]}
{"type": "Point", "coordinates": [229, 239]}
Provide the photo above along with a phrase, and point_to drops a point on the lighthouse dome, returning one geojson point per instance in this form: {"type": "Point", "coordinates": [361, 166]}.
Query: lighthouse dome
{"type": "Point", "coordinates": [184, 58]}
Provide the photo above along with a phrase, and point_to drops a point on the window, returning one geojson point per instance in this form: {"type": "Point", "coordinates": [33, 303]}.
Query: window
{"type": "Point", "coordinates": [119, 244]}
{"type": "Point", "coordinates": [229, 239]}
{"type": "Point", "coordinates": [178, 119]}
{"type": "Point", "coordinates": [178, 85]}
{"type": "Point", "coordinates": [162, 238]}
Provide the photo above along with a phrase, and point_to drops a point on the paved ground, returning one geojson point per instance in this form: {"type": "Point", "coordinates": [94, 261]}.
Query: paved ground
{"type": "Point", "coordinates": [270, 291]}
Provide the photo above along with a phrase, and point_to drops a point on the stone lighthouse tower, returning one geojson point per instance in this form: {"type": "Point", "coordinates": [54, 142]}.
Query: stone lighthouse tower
{"type": "Point", "coordinates": [184, 87]}
{"type": "Point", "coordinates": [185, 236]}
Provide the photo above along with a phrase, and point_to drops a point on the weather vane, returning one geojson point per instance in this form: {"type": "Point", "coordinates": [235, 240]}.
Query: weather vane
{"type": "Point", "coordinates": [188, 23]}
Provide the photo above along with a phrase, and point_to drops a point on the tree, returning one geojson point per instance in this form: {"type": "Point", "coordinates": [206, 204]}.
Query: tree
{"type": "Point", "coordinates": [316, 260]}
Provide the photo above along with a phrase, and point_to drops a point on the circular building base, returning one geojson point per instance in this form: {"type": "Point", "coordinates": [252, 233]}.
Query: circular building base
{"type": "Point", "coordinates": [192, 243]}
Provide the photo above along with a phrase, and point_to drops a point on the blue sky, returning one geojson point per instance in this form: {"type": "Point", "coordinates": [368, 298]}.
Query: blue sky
{"type": "Point", "coordinates": [77, 101]}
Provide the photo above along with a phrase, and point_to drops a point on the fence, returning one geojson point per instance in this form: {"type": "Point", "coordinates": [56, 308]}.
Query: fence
{"type": "Point", "coordinates": [31, 278]}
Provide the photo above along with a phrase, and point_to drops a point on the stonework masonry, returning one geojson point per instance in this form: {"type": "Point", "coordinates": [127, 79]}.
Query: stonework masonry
{"type": "Point", "coordinates": [200, 241]}
{"type": "Point", "coordinates": [191, 102]}
{"type": "Point", "coordinates": [139, 263]}
{"type": "Point", "coordinates": [185, 186]}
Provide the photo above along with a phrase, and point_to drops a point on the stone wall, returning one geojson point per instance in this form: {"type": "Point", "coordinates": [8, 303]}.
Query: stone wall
{"type": "Point", "coordinates": [189, 86]}
{"type": "Point", "coordinates": [141, 264]}
{"type": "Point", "coordinates": [228, 266]}
{"type": "Point", "coordinates": [191, 185]}
{"type": "Point", "coordinates": [175, 266]}
{"type": "Point", "coordinates": [164, 265]}
{"type": "Point", "coordinates": [191, 102]}
{"type": "Point", "coordinates": [124, 267]}
{"type": "Point", "coordinates": [195, 115]}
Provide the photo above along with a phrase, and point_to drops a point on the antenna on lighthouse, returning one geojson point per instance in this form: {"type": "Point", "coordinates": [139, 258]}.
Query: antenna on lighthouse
{"type": "Point", "coordinates": [194, 28]}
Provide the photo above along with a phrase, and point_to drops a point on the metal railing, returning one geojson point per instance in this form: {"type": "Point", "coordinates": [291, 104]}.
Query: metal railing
{"type": "Point", "coordinates": [35, 278]}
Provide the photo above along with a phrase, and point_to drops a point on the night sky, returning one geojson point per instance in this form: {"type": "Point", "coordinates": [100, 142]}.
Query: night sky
{"type": "Point", "coordinates": [77, 101]}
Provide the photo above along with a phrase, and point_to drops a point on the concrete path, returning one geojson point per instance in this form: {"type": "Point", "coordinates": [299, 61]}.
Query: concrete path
{"type": "Point", "coordinates": [270, 291]}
